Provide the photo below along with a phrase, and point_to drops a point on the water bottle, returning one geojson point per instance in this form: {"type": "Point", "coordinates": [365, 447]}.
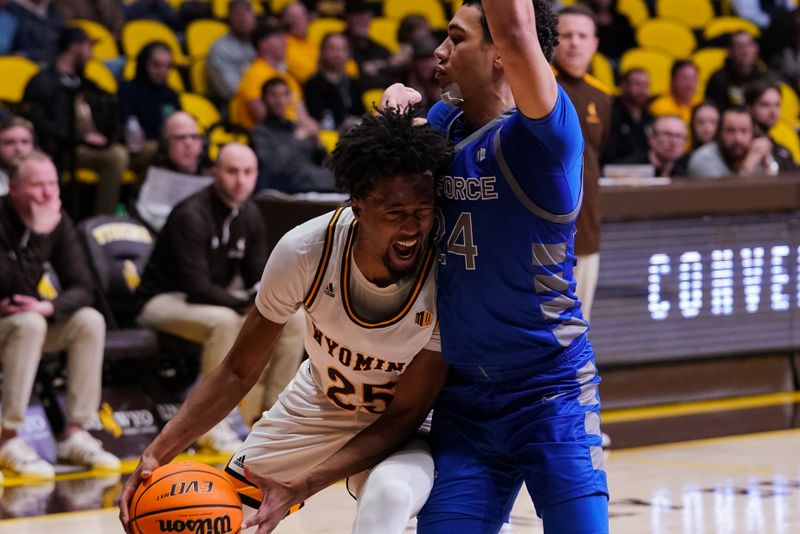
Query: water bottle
{"type": "Point", "coordinates": [134, 135]}
{"type": "Point", "coordinates": [328, 121]}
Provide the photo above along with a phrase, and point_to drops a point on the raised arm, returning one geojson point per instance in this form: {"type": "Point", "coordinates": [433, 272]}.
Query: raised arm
{"type": "Point", "coordinates": [416, 391]}
{"type": "Point", "coordinates": [512, 24]}
{"type": "Point", "coordinates": [209, 402]}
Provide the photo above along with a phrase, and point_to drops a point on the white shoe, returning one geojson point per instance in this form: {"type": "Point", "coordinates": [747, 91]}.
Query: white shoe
{"type": "Point", "coordinates": [80, 448]}
{"type": "Point", "coordinates": [17, 456]}
{"type": "Point", "coordinates": [606, 441]}
{"type": "Point", "coordinates": [221, 438]}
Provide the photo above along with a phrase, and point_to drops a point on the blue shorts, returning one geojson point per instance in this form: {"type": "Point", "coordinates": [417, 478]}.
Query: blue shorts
{"type": "Point", "coordinates": [495, 428]}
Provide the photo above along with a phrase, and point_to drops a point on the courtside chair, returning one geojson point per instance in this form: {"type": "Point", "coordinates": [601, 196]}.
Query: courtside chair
{"type": "Point", "coordinates": [104, 46]}
{"type": "Point", "coordinates": [201, 34]}
{"type": "Point", "coordinates": [15, 72]}
{"type": "Point", "coordinates": [431, 10]}
{"type": "Point", "coordinates": [136, 34]}
{"type": "Point", "coordinates": [670, 35]}
{"type": "Point", "coordinates": [656, 62]}
{"type": "Point", "coordinates": [696, 13]}
{"type": "Point", "coordinates": [726, 25]}
{"type": "Point", "coordinates": [201, 109]}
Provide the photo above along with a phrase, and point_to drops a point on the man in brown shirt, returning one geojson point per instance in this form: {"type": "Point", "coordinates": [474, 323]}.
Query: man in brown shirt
{"type": "Point", "coordinates": [573, 56]}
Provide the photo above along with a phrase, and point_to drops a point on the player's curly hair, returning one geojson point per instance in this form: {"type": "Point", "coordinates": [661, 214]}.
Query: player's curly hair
{"type": "Point", "coordinates": [546, 25]}
{"type": "Point", "coordinates": [385, 146]}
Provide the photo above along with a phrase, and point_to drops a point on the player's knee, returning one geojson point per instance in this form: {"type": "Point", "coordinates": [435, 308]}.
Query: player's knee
{"type": "Point", "coordinates": [393, 495]}
{"type": "Point", "coordinates": [226, 319]}
{"type": "Point", "coordinates": [31, 324]}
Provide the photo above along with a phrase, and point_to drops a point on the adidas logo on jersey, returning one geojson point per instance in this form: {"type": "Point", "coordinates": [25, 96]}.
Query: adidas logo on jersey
{"type": "Point", "coordinates": [424, 319]}
{"type": "Point", "coordinates": [239, 462]}
{"type": "Point", "coordinates": [329, 290]}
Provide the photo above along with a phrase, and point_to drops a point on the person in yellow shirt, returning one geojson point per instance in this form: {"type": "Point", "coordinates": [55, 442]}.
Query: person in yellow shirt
{"type": "Point", "coordinates": [247, 107]}
{"type": "Point", "coordinates": [682, 96]}
{"type": "Point", "coordinates": [302, 54]}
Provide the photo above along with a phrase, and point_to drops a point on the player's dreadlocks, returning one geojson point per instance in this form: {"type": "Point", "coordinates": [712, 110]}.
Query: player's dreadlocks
{"type": "Point", "coordinates": [546, 25]}
{"type": "Point", "coordinates": [383, 146]}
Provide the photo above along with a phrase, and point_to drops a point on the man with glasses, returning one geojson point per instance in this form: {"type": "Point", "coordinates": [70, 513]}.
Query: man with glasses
{"type": "Point", "coordinates": [666, 139]}
{"type": "Point", "coordinates": [204, 273]}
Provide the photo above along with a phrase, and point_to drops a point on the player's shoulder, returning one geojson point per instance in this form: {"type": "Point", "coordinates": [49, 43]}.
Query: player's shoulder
{"type": "Point", "coordinates": [442, 115]}
{"type": "Point", "coordinates": [311, 236]}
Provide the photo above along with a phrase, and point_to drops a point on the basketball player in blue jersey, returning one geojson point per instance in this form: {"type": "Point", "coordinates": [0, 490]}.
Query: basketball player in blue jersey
{"type": "Point", "coordinates": [521, 402]}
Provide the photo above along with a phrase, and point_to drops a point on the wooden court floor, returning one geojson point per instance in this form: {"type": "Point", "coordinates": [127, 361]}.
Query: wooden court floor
{"type": "Point", "coordinates": [742, 484]}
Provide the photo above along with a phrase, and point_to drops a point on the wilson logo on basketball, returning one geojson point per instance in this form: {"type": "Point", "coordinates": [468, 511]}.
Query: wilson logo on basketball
{"type": "Point", "coordinates": [424, 318]}
{"type": "Point", "coordinates": [218, 525]}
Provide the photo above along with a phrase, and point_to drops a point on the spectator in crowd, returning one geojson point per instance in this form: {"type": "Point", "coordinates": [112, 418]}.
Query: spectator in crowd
{"type": "Point", "coordinates": [762, 12]}
{"type": "Point", "coordinates": [613, 29]}
{"type": "Point", "coordinates": [232, 54]}
{"type": "Point", "coordinates": [46, 294]}
{"type": "Point", "coordinates": [412, 28]}
{"type": "Point", "coordinates": [666, 137]}
{"type": "Point", "coordinates": [763, 99]}
{"type": "Point", "coordinates": [331, 95]}
{"type": "Point", "coordinates": [205, 270]}
{"type": "Point", "coordinates": [421, 72]}
{"type": "Point", "coordinates": [182, 145]}
{"type": "Point", "coordinates": [106, 12]}
{"type": "Point", "coordinates": [736, 150]}
{"type": "Point", "coordinates": [39, 23]}
{"type": "Point", "coordinates": [682, 96]}
{"type": "Point", "coordinates": [289, 155]}
{"type": "Point", "coordinates": [704, 125]}
{"type": "Point", "coordinates": [247, 108]}
{"type": "Point", "coordinates": [302, 54]}
{"type": "Point", "coordinates": [16, 140]}
{"type": "Point", "coordinates": [787, 59]}
{"type": "Point", "coordinates": [377, 68]}
{"type": "Point", "coordinates": [157, 10]}
{"type": "Point", "coordinates": [726, 86]}
{"type": "Point", "coordinates": [629, 118]}
{"type": "Point", "coordinates": [8, 28]}
{"type": "Point", "coordinates": [76, 122]}
{"type": "Point", "coordinates": [147, 96]}
{"type": "Point", "coordinates": [572, 58]}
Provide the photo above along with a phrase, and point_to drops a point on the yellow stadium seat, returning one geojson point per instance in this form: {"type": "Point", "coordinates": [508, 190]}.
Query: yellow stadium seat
{"type": "Point", "coordinates": [97, 72]}
{"type": "Point", "coordinates": [695, 13]}
{"type": "Point", "coordinates": [785, 135]}
{"type": "Point", "coordinates": [174, 79]}
{"type": "Point", "coordinates": [790, 106]}
{"type": "Point", "coordinates": [383, 30]}
{"type": "Point", "coordinates": [199, 77]}
{"type": "Point", "coordinates": [656, 62]}
{"type": "Point", "coordinates": [221, 134]}
{"type": "Point", "coordinates": [724, 25]}
{"type": "Point", "coordinates": [201, 35]}
{"type": "Point", "coordinates": [105, 46]}
{"type": "Point", "coordinates": [455, 5]}
{"type": "Point", "coordinates": [219, 8]}
{"type": "Point", "coordinates": [319, 28]}
{"type": "Point", "coordinates": [90, 177]}
{"type": "Point", "coordinates": [433, 11]}
{"type": "Point", "coordinates": [201, 109]}
{"type": "Point", "coordinates": [136, 34]}
{"type": "Point", "coordinates": [372, 99]}
{"type": "Point", "coordinates": [603, 71]}
{"type": "Point", "coordinates": [329, 139]}
{"type": "Point", "coordinates": [276, 6]}
{"type": "Point", "coordinates": [708, 61]}
{"type": "Point", "coordinates": [672, 36]}
{"type": "Point", "coordinates": [17, 71]}
{"type": "Point", "coordinates": [635, 10]}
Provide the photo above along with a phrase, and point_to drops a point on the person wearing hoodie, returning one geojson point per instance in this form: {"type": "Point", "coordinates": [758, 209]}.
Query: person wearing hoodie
{"type": "Point", "coordinates": [39, 23]}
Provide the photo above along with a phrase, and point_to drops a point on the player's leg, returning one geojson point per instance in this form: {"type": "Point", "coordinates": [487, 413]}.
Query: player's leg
{"type": "Point", "coordinates": [393, 491]}
{"type": "Point", "coordinates": [583, 515]}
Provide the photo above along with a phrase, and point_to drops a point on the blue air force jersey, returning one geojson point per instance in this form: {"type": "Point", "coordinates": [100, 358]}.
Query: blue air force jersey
{"type": "Point", "coordinates": [506, 222]}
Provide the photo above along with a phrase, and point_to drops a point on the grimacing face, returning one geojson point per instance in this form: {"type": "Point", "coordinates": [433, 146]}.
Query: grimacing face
{"type": "Point", "coordinates": [395, 221]}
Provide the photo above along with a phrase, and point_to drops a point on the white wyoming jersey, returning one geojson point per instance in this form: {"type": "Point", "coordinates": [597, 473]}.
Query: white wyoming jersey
{"type": "Point", "coordinates": [354, 361]}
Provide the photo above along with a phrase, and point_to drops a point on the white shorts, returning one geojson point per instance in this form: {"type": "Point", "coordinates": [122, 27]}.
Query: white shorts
{"type": "Point", "coordinates": [301, 430]}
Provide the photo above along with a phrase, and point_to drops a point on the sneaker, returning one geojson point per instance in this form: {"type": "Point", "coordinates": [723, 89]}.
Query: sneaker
{"type": "Point", "coordinates": [80, 448]}
{"type": "Point", "coordinates": [17, 456]}
{"type": "Point", "coordinates": [221, 439]}
{"type": "Point", "coordinates": [606, 442]}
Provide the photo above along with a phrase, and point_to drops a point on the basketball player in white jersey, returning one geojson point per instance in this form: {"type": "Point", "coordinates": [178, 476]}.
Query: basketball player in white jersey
{"type": "Point", "coordinates": [365, 277]}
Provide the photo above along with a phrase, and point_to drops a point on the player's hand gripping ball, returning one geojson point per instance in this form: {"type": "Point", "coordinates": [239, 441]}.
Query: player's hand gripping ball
{"type": "Point", "coordinates": [186, 497]}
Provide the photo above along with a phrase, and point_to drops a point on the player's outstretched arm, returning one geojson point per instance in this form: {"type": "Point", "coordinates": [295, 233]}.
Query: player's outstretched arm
{"type": "Point", "coordinates": [209, 402]}
{"type": "Point", "coordinates": [512, 24]}
{"type": "Point", "coordinates": [415, 393]}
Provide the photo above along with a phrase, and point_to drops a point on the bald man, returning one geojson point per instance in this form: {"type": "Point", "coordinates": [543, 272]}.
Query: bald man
{"type": "Point", "coordinates": [203, 276]}
{"type": "Point", "coordinates": [183, 144]}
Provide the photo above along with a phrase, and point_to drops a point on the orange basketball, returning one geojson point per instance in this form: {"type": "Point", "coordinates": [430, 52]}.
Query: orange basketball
{"type": "Point", "coordinates": [186, 497]}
